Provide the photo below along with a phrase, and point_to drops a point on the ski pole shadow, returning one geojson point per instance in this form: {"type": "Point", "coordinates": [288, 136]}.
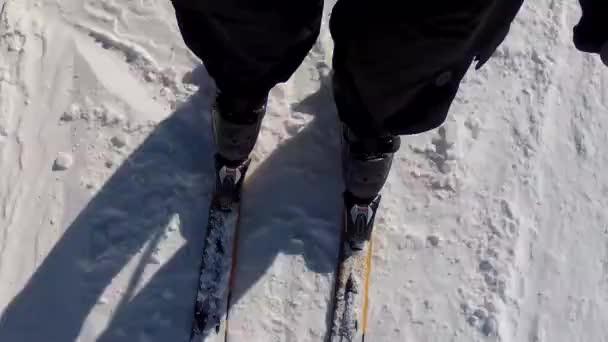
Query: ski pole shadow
{"type": "Point", "coordinates": [166, 183]}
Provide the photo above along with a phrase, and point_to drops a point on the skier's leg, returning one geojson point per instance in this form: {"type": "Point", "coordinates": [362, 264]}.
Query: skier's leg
{"type": "Point", "coordinates": [367, 150]}
{"type": "Point", "coordinates": [398, 65]}
{"type": "Point", "coordinates": [397, 68]}
{"type": "Point", "coordinates": [247, 47]}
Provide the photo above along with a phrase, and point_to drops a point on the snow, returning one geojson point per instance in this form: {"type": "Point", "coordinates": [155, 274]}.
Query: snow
{"type": "Point", "coordinates": [63, 162]}
{"type": "Point", "coordinates": [492, 228]}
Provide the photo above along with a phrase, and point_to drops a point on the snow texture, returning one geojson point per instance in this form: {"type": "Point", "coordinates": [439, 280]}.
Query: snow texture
{"type": "Point", "coordinates": [492, 228]}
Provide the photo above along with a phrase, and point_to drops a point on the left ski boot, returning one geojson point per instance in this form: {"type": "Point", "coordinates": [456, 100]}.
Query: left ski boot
{"type": "Point", "coordinates": [228, 181]}
{"type": "Point", "coordinates": [367, 162]}
{"type": "Point", "coordinates": [236, 125]}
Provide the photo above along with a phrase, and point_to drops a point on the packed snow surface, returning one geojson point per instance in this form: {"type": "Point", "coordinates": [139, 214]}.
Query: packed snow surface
{"type": "Point", "coordinates": [492, 228]}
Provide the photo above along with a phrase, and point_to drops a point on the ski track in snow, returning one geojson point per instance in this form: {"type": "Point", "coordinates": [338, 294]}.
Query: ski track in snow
{"type": "Point", "coordinates": [492, 227]}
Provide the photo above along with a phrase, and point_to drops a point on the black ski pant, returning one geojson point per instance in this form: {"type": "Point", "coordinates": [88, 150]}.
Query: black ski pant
{"type": "Point", "coordinates": [397, 64]}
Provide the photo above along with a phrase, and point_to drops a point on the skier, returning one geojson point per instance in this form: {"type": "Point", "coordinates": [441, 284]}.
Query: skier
{"type": "Point", "coordinates": [397, 67]}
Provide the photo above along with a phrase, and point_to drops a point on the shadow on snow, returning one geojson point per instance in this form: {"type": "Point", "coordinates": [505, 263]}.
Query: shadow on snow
{"type": "Point", "coordinates": [291, 206]}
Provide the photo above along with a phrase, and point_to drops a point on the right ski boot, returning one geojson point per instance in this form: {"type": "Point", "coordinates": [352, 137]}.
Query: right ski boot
{"type": "Point", "coordinates": [367, 162]}
{"type": "Point", "coordinates": [236, 125]}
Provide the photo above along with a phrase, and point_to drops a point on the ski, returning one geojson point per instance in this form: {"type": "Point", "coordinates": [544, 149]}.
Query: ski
{"type": "Point", "coordinates": [350, 302]}
{"type": "Point", "coordinates": [210, 323]}
{"type": "Point", "coordinates": [351, 295]}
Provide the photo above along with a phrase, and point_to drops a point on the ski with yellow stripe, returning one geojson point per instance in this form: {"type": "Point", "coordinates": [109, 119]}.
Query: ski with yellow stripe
{"type": "Point", "coordinates": [210, 319]}
{"type": "Point", "coordinates": [351, 292]}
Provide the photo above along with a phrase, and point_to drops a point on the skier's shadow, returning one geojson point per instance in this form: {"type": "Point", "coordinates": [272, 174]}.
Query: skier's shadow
{"type": "Point", "coordinates": [292, 205]}
{"type": "Point", "coordinates": [167, 182]}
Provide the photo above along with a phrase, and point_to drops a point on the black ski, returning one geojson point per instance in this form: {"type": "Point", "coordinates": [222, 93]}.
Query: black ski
{"type": "Point", "coordinates": [210, 323]}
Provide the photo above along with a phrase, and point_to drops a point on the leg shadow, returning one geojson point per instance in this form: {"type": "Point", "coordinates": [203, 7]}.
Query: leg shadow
{"type": "Point", "coordinates": [292, 201]}
{"type": "Point", "coordinates": [292, 204]}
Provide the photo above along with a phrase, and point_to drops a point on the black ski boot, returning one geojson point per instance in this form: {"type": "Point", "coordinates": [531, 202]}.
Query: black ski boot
{"type": "Point", "coordinates": [359, 220]}
{"type": "Point", "coordinates": [228, 181]}
{"type": "Point", "coordinates": [367, 162]}
{"type": "Point", "coordinates": [236, 124]}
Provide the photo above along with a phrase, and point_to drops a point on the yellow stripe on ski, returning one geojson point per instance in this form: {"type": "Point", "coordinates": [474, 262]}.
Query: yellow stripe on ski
{"type": "Point", "coordinates": [367, 272]}
{"type": "Point", "coordinates": [350, 308]}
